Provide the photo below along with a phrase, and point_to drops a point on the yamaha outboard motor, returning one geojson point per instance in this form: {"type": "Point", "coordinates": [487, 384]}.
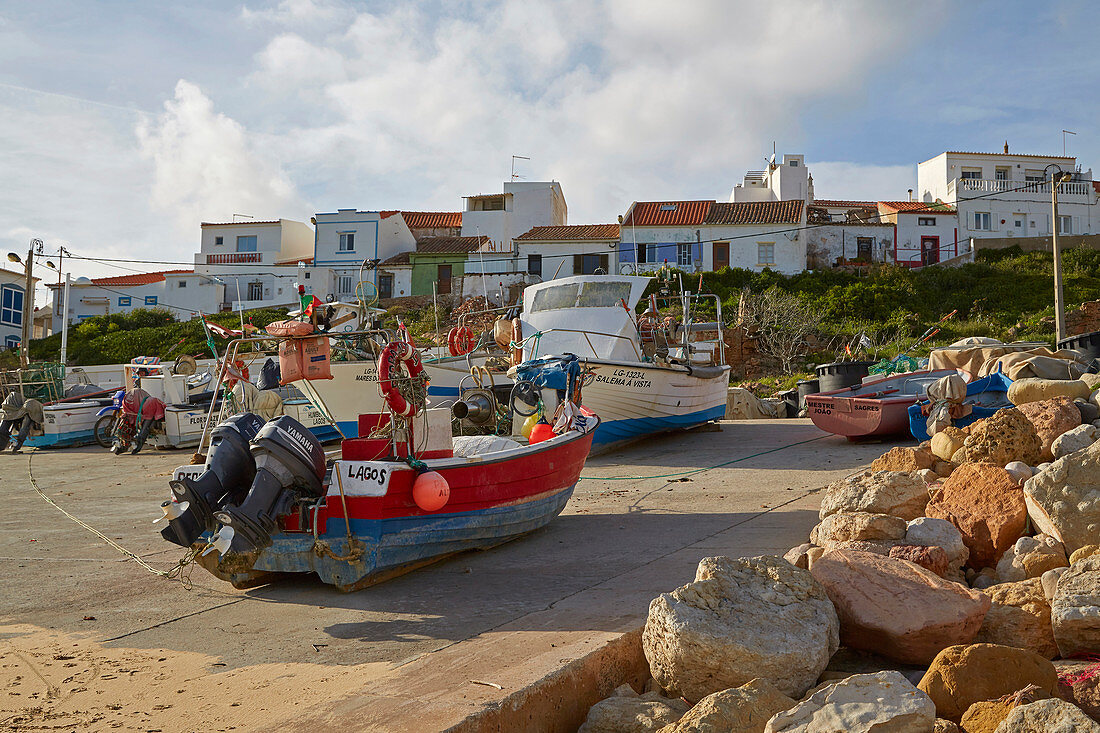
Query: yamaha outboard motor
{"type": "Point", "coordinates": [229, 471]}
{"type": "Point", "coordinates": [289, 463]}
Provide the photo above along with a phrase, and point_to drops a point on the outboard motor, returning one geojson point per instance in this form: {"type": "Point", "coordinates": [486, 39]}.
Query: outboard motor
{"type": "Point", "coordinates": [230, 469]}
{"type": "Point", "coordinates": [289, 463]}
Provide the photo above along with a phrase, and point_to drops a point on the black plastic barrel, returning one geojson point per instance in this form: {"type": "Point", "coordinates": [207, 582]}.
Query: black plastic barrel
{"type": "Point", "coordinates": [841, 374]}
{"type": "Point", "coordinates": [790, 401]}
{"type": "Point", "coordinates": [806, 387]}
{"type": "Point", "coordinates": [1086, 343]}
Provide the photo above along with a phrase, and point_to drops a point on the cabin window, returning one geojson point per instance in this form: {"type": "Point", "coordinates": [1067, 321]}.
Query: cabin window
{"type": "Point", "coordinates": [559, 296]}
{"type": "Point", "coordinates": [603, 294]}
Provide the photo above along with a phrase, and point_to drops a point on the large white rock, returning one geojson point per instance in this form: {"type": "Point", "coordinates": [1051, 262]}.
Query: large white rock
{"type": "Point", "coordinates": [741, 619]}
{"type": "Point", "coordinates": [1064, 500]}
{"type": "Point", "coordinates": [744, 709]}
{"type": "Point", "coordinates": [884, 702]}
{"type": "Point", "coordinates": [1074, 440]}
{"type": "Point", "coordinates": [1075, 608]}
{"type": "Point", "coordinates": [1048, 716]}
{"type": "Point", "coordinates": [857, 527]}
{"type": "Point", "coordinates": [1030, 557]}
{"type": "Point", "coordinates": [931, 532]}
{"type": "Point", "coordinates": [897, 493]}
{"type": "Point", "coordinates": [628, 712]}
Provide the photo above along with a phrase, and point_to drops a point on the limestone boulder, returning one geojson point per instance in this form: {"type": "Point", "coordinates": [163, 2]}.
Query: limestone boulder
{"type": "Point", "coordinates": [1051, 418]}
{"type": "Point", "coordinates": [863, 703]}
{"type": "Point", "coordinates": [1033, 389]}
{"type": "Point", "coordinates": [1020, 471]}
{"type": "Point", "coordinates": [1082, 552]}
{"type": "Point", "coordinates": [1075, 439]}
{"type": "Point", "coordinates": [932, 532]}
{"type": "Point", "coordinates": [1030, 557]}
{"type": "Point", "coordinates": [985, 504]}
{"type": "Point", "coordinates": [855, 527]}
{"type": "Point", "coordinates": [847, 662]}
{"type": "Point", "coordinates": [1090, 411]}
{"type": "Point", "coordinates": [895, 608]}
{"type": "Point", "coordinates": [985, 578]}
{"type": "Point", "coordinates": [929, 558]}
{"type": "Point", "coordinates": [904, 460]}
{"type": "Point", "coordinates": [1049, 580]}
{"type": "Point", "coordinates": [741, 619]}
{"type": "Point", "coordinates": [878, 547]}
{"type": "Point", "coordinates": [798, 556]}
{"type": "Point", "coordinates": [1079, 684]}
{"type": "Point", "coordinates": [944, 726]}
{"type": "Point", "coordinates": [744, 709]}
{"type": "Point", "coordinates": [1048, 716]}
{"type": "Point", "coordinates": [1064, 500]}
{"type": "Point", "coordinates": [1075, 609]}
{"type": "Point", "coordinates": [946, 442]}
{"type": "Point", "coordinates": [962, 675]}
{"type": "Point", "coordinates": [985, 716]}
{"type": "Point", "coordinates": [1004, 437]}
{"type": "Point", "coordinates": [899, 494]}
{"type": "Point", "coordinates": [628, 712]}
{"type": "Point", "coordinates": [1019, 617]}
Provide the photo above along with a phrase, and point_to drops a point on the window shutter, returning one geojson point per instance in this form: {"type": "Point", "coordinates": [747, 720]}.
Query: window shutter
{"type": "Point", "coordinates": [578, 264]}
{"type": "Point", "coordinates": [604, 263]}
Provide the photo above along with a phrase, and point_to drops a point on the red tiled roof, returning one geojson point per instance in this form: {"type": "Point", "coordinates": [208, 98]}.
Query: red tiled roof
{"type": "Point", "coordinates": [449, 245]}
{"type": "Point", "coordinates": [668, 213]}
{"type": "Point", "coordinates": [575, 233]}
{"type": "Point", "coordinates": [141, 278]}
{"type": "Point", "coordinates": [840, 204]}
{"type": "Point", "coordinates": [432, 219]}
{"type": "Point", "coordinates": [236, 223]}
{"type": "Point", "coordinates": [295, 261]}
{"type": "Point", "coordinates": [756, 212]}
{"type": "Point", "coordinates": [401, 258]}
{"type": "Point", "coordinates": [1096, 186]}
{"type": "Point", "coordinates": [917, 207]}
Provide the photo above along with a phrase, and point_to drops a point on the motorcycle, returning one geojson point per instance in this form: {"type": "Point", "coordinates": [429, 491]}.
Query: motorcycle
{"type": "Point", "coordinates": [107, 423]}
{"type": "Point", "coordinates": [139, 415]}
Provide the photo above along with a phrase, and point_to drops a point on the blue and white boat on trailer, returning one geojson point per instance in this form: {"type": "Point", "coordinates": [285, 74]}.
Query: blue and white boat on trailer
{"type": "Point", "coordinates": [648, 374]}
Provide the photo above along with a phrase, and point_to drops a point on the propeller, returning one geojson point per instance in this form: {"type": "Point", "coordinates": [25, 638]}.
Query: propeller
{"type": "Point", "coordinates": [221, 541]}
{"type": "Point", "coordinates": [172, 509]}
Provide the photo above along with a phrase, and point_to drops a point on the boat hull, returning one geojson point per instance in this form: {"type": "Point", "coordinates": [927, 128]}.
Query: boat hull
{"type": "Point", "coordinates": [67, 424]}
{"type": "Point", "coordinates": [635, 400]}
{"type": "Point", "coordinates": [857, 413]}
{"type": "Point", "coordinates": [492, 501]}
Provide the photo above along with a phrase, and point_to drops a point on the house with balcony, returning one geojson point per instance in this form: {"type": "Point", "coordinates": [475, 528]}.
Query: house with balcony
{"type": "Point", "coordinates": [562, 251]}
{"type": "Point", "coordinates": [708, 235]}
{"type": "Point", "coordinates": [501, 217]}
{"type": "Point", "coordinates": [846, 233]}
{"type": "Point", "coordinates": [1008, 195]}
{"type": "Point", "coordinates": [349, 243]}
{"type": "Point", "coordinates": [183, 293]}
{"type": "Point", "coordinates": [258, 262]}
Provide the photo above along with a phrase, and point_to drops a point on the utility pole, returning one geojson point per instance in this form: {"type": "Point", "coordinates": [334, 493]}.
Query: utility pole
{"type": "Point", "coordinates": [28, 301]}
{"type": "Point", "coordinates": [1059, 302]}
{"type": "Point", "coordinates": [65, 322]}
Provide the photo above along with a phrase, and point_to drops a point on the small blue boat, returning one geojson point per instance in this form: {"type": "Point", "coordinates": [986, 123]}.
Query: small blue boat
{"type": "Point", "coordinates": [985, 396]}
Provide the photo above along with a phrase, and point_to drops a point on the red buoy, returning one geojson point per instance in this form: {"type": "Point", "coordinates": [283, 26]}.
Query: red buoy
{"type": "Point", "coordinates": [431, 491]}
{"type": "Point", "coordinates": [542, 431]}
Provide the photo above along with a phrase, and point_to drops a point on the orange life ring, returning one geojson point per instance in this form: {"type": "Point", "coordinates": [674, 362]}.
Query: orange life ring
{"type": "Point", "coordinates": [403, 352]}
{"type": "Point", "coordinates": [461, 340]}
{"type": "Point", "coordinates": [517, 339]}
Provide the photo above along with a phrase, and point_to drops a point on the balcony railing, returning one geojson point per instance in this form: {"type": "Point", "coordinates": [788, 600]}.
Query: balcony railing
{"type": "Point", "coordinates": [963, 186]}
{"type": "Point", "coordinates": [234, 258]}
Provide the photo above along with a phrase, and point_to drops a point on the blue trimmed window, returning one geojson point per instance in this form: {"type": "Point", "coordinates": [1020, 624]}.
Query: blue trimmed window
{"type": "Point", "coordinates": [123, 301]}
{"type": "Point", "coordinates": [347, 242]}
{"type": "Point", "coordinates": [12, 342]}
{"type": "Point", "coordinates": [150, 300]}
{"type": "Point", "coordinates": [11, 305]}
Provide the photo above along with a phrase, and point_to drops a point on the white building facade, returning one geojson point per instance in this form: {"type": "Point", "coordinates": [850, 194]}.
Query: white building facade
{"type": "Point", "coordinates": [785, 180]}
{"type": "Point", "coordinates": [924, 234]}
{"type": "Point", "coordinates": [842, 233]}
{"type": "Point", "coordinates": [348, 238]}
{"type": "Point", "coordinates": [551, 252]}
{"type": "Point", "coordinates": [504, 216]}
{"type": "Point", "coordinates": [1008, 195]}
{"type": "Point", "coordinates": [183, 293]}
{"type": "Point", "coordinates": [256, 261]}
{"type": "Point", "coordinates": [12, 295]}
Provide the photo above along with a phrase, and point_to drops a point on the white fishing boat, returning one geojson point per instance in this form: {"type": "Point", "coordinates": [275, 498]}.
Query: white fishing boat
{"type": "Point", "coordinates": [645, 375]}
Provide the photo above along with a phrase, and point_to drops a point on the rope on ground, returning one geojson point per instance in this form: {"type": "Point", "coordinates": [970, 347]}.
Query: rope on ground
{"type": "Point", "coordinates": [705, 468]}
{"type": "Point", "coordinates": [174, 573]}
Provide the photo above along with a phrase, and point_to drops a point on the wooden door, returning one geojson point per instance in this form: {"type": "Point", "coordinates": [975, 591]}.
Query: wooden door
{"type": "Point", "coordinates": [721, 255]}
{"type": "Point", "coordinates": [444, 279]}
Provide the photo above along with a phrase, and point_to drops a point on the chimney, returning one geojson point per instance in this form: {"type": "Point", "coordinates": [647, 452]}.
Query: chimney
{"type": "Point", "coordinates": [1006, 147]}
{"type": "Point", "coordinates": [910, 194]}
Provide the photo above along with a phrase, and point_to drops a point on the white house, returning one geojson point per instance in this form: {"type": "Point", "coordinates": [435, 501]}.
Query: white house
{"type": "Point", "coordinates": [504, 216]}
{"type": "Point", "coordinates": [550, 252]}
{"type": "Point", "coordinates": [257, 261]}
{"type": "Point", "coordinates": [846, 232]}
{"type": "Point", "coordinates": [349, 241]}
{"type": "Point", "coordinates": [707, 235]}
{"type": "Point", "coordinates": [924, 234]}
{"type": "Point", "coordinates": [183, 293]}
{"type": "Point", "coordinates": [12, 291]}
{"type": "Point", "coordinates": [1008, 195]}
{"type": "Point", "coordinates": [787, 180]}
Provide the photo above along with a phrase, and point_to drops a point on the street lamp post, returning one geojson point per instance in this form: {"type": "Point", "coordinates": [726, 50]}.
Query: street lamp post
{"type": "Point", "coordinates": [1059, 299]}
{"type": "Point", "coordinates": [28, 300]}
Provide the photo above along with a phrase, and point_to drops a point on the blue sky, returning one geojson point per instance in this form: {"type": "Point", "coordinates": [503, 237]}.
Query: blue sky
{"type": "Point", "coordinates": [123, 125]}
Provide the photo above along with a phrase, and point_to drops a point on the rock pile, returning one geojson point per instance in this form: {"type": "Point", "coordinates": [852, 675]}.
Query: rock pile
{"type": "Point", "coordinates": [953, 586]}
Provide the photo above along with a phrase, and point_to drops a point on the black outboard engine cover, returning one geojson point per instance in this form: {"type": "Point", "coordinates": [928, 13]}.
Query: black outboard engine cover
{"type": "Point", "coordinates": [230, 469]}
{"type": "Point", "coordinates": [290, 462]}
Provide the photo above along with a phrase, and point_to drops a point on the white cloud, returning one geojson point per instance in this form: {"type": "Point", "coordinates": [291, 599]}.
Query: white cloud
{"type": "Point", "coordinates": [207, 168]}
{"type": "Point", "coordinates": [859, 182]}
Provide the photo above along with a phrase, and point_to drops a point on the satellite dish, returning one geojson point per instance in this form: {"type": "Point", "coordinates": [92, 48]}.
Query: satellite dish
{"type": "Point", "coordinates": [185, 365]}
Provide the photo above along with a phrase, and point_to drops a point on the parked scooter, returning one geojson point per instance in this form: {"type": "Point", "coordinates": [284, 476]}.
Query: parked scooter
{"type": "Point", "coordinates": [105, 426]}
{"type": "Point", "coordinates": [140, 414]}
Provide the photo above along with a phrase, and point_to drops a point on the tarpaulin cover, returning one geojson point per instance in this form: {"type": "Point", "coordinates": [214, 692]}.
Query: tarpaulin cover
{"type": "Point", "coordinates": [139, 401]}
{"type": "Point", "coordinates": [1014, 362]}
{"type": "Point", "coordinates": [553, 372]}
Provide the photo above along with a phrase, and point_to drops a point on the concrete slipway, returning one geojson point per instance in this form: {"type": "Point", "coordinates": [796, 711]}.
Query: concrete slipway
{"type": "Point", "coordinates": [94, 641]}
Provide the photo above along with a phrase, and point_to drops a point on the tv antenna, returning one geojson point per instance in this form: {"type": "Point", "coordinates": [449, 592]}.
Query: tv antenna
{"type": "Point", "coordinates": [1064, 133]}
{"type": "Point", "coordinates": [516, 176]}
